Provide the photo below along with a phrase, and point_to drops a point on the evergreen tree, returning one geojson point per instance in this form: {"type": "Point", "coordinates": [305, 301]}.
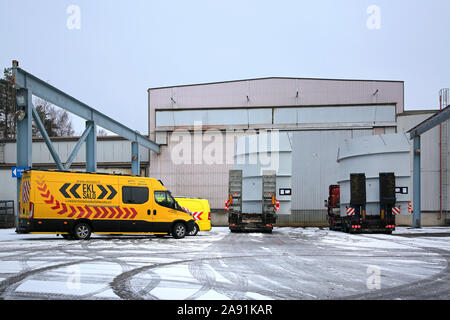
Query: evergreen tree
{"type": "Point", "coordinates": [56, 121]}
{"type": "Point", "coordinates": [7, 107]}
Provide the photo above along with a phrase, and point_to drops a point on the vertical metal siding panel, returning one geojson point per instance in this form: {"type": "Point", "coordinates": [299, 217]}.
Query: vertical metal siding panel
{"type": "Point", "coordinates": [10, 192]}
{"type": "Point", "coordinates": [273, 92]}
{"type": "Point", "coordinates": [430, 170]}
{"type": "Point", "coordinates": [278, 92]}
{"type": "Point", "coordinates": [314, 169]}
{"type": "Point", "coordinates": [430, 160]}
{"type": "Point", "coordinates": [10, 153]}
{"type": "Point", "coordinates": [194, 180]}
{"type": "Point", "coordinates": [361, 133]}
{"type": "Point", "coordinates": [260, 117]}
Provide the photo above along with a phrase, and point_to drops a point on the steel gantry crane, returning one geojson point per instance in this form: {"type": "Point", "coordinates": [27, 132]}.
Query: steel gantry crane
{"type": "Point", "coordinates": [26, 86]}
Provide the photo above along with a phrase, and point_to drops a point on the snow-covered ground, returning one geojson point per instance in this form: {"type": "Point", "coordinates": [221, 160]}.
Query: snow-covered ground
{"type": "Point", "coordinates": [291, 263]}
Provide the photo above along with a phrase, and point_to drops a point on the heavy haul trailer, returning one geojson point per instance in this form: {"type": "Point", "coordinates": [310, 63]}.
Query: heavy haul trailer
{"type": "Point", "coordinates": [76, 204]}
{"type": "Point", "coordinates": [354, 218]}
{"type": "Point", "coordinates": [238, 220]}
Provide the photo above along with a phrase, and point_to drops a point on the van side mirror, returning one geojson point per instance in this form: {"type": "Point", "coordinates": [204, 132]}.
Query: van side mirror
{"type": "Point", "coordinates": [325, 203]}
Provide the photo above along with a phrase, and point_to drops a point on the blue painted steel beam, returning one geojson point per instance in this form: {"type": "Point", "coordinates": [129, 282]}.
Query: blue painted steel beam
{"type": "Point", "coordinates": [135, 159]}
{"type": "Point", "coordinates": [24, 142]}
{"type": "Point", "coordinates": [417, 184]}
{"type": "Point", "coordinates": [77, 147]}
{"type": "Point", "coordinates": [430, 123]}
{"type": "Point", "coordinates": [91, 147]}
{"type": "Point", "coordinates": [24, 133]}
{"type": "Point", "coordinates": [47, 140]}
{"type": "Point", "coordinates": [57, 97]}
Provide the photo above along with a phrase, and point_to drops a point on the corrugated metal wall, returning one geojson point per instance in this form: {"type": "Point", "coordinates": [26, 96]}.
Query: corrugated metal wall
{"type": "Point", "coordinates": [186, 174]}
{"type": "Point", "coordinates": [278, 92]}
{"type": "Point", "coordinates": [315, 168]}
{"type": "Point", "coordinates": [289, 104]}
{"type": "Point", "coordinates": [430, 159]}
{"type": "Point", "coordinates": [118, 151]}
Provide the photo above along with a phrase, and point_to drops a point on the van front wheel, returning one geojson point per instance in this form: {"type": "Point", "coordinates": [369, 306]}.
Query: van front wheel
{"type": "Point", "coordinates": [82, 231]}
{"type": "Point", "coordinates": [179, 231]}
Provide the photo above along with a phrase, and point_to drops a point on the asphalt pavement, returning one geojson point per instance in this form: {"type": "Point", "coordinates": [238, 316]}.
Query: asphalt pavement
{"type": "Point", "coordinates": [289, 264]}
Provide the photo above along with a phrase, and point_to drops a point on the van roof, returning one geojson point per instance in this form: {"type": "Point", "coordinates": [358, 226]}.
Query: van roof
{"type": "Point", "coordinates": [81, 172]}
{"type": "Point", "coordinates": [184, 197]}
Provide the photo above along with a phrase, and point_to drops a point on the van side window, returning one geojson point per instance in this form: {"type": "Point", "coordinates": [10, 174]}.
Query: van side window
{"type": "Point", "coordinates": [135, 195]}
{"type": "Point", "coordinates": [165, 199]}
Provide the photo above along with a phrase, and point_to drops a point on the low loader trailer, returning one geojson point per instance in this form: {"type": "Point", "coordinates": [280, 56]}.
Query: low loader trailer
{"type": "Point", "coordinates": [240, 221]}
{"type": "Point", "coordinates": [354, 217]}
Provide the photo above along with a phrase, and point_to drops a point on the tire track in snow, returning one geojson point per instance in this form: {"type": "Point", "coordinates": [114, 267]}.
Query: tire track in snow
{"type": "Point", "coordinates": [19, 278]}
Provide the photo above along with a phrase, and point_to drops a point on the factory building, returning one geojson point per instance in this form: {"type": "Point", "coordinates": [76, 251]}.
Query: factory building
{"type": "Point", "coordinates": [197, 125]}
{"type": "Point", "coordinates": [320, 114]}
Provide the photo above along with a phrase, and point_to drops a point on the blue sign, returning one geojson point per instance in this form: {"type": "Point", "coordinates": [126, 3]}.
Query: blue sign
{"type": "Point", "coordinates": [18, 171]}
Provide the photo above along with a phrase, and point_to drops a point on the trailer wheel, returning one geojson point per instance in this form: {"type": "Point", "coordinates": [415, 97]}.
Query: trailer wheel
{"type": "Point", "coordinates": [346, 228]}
{"type": "Point", "coordinates": [332, 227]}
{"type": "Point", "coordinates": [82, 231]}
{"type": "Point", "coordinates": [179, 230]}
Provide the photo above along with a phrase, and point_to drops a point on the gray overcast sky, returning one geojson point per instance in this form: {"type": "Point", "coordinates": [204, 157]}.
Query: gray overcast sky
{"type": "Point", "coordinates": [125, 47]}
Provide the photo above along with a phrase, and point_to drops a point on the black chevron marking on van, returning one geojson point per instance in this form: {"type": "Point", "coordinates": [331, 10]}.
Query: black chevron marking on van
{"type": "Point", "coordinates": [63, 190]}
{"type": "Point", "coordinates": [113, 192]}
{"type": "Point", "coordinates": [73, 191]}
{"type": "Point", "coordinates": [104, 192]}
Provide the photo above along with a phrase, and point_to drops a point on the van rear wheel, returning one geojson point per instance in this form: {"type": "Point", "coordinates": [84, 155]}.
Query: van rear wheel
{"type": "Point", "coordinates": [179, 231]}
{"type": "Point", "coordinates": [195, 231]}
{"type": "Point", "coordinates": [82, 231]}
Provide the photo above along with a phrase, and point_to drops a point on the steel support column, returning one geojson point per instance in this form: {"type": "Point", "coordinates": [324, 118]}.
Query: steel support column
{"type": "Point", "coordinates": [24, 141]}
{"type": "Point", "coordinates": [135, 159]}
{"type": "Point", "coordinates": [46, 138]}
{"type": "Point", "coordinates": [77, 147]}
{"type": "Point", "coordinates": [91, 147]}
{"type": "Point", "coordinates": [24, 134]}
{"type": "Point", "coordinates": [416, 184]}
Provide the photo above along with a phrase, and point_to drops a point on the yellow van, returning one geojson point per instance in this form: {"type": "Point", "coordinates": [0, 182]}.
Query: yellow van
{"type": "Point", "coordinates": [199, 210]}
{"type": "Point", "coordinates": [76, 204]}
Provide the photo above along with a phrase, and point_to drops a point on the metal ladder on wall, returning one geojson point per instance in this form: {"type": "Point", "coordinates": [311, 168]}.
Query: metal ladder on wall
{"type": "Point", "coordinates": [235, 190]}
{"type": "Point", "coordinates": [444, 100]}
{"type": "Point", "coordinates": [269, 185]}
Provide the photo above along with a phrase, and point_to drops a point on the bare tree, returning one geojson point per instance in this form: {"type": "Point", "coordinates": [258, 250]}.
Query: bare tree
{"type": "Point", "coordinates": [102, 133]}
{"type": "Point", "coordinates": [56, 121]}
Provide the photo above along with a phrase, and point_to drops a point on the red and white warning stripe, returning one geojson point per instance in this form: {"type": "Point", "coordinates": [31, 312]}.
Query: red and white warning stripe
{"type": "Point", "coordinates": [350, 211]}
{"type": "Point", "coordinates": [396, 211]}
{"type": "Point", "coordinates": [196, 215]}
{"type": "Point", "coordinates": [25, 191]}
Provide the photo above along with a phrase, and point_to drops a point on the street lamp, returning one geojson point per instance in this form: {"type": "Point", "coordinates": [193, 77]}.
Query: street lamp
{"type": "Point", "coordinates": [22, 101]}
